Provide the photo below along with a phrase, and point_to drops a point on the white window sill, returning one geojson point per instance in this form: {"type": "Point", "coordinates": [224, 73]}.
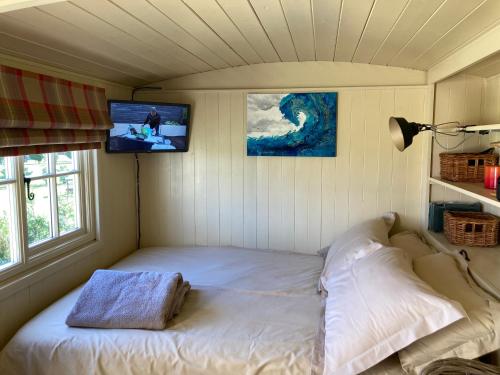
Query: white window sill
{"type": "Point", "coordinates": [38, 272]}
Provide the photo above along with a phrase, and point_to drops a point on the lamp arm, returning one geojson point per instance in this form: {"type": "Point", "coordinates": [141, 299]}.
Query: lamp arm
{"type": "Point", "coordinates": [450, 125]}
{"type": "Point", "coordinates": [424, 127]}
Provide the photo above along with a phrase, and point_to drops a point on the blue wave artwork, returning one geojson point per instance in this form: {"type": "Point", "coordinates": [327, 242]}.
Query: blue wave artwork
{"type": "Point", "coordinates": [295, 124]}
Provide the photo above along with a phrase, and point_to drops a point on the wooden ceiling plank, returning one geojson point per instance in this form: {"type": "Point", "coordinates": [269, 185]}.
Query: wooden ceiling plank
{"type": "Point", "coordinates": [11, 5]}
{"type": "Point", "coordinates": [384, 17]}
{"type": "Point", "coordinates": [213, 15]}
{"type": "Point", "coordinates": [413, 17]}
{"type": "Point", "coordinates": [64, 37]}
{"type": "Point", "coordinates": [190, 22]}
{"type": "Point", "coordinates": [445, 18]}
{"type": "Point", "coordinates": [14, 46]}
{"type": "Point", "coordinates": [100, 29]}
{"type": "Point", "coordinates": [477, 23]}
{"type": "Point", "coordinates": [354, 17]}
{"type": "Point", "coordinates": [272, 18]}
{"type": "Point", "coordinates": [244, 18]}
{"type": "Point", "coordinates": [162, 24]}
{"type": "Point", "coordinates": [37, 66]}
{"type": "Point", "coordinates": [182, 60]}
{"type": "Point", "coordinates": [326, 16]}
{"type": "Point", "coordinates": [298, 15]}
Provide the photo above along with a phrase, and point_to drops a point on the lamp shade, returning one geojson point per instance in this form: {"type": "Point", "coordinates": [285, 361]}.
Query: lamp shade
{"type": "Point", "coordinates": [402, 132]}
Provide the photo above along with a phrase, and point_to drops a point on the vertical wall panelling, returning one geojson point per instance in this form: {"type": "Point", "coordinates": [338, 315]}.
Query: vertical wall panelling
{"type": "Point", "coordinates": [188, 190]}
{"type": "Point", "coordinates": [237, 168]}
{"type": "Point", "coordinates": [275, 203]}
{"type": "Point", "coordinates": [371, 146]}
{"type": "Point", "coordinates": [341, 192]}
{"type": "Point", "coordinates": [288, 203]}
{"type": "Point", "coordinates": [313, 208]}
{"type": "Point", "coordinates": [356, 156]}
{"type": "Point", "coordinates": [491, 99]}
{"type": "Point", "coordinates": [200, 154]}
{"type": "Point", "coordinates": [414, 176]}
{"type": "Point", "coordinates": [386, 151]}
{"type": "Point", "coordinates": [302, 179]}
{"type": "Point", "coordinates": [427, 160]}
{"type": "Point", "coordinates": [263, 202]}
{"type": "Point", "coordinates": [249, 189]}
{"type": "Point", "coordinates": [213, 172]}
{"type": "Point", "coordinates": [225, 158]}
{"type": "Point", "coordinates": [328, 180]}
{"type": "Point", "coordinates": [174, 214]}
{"type": "Point", "coordinates": [297, 204]}
{"type": "Point", "coordinates": [402, 103]}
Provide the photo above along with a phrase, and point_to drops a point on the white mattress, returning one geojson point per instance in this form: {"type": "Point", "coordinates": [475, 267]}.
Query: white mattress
{"type": "Point", "coordinates": [249, 312]}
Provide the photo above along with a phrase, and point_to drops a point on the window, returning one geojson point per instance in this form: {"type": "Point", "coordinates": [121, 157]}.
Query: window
{"type": "Point", "coordinates": [46, 206]}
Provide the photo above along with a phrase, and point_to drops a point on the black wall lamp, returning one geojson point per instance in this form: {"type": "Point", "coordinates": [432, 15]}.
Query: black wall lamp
{"type": "Point", "coordinates": [402, 132]}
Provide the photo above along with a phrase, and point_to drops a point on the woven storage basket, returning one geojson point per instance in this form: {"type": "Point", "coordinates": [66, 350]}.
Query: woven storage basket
{"type": "Point", "coordinates": [465, 167]}
{"type": "Point", "coordinates": [471, 228]}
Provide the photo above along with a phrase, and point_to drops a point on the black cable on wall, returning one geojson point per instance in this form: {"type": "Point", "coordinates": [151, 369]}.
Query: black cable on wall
{"type": "Point", "coordinates": [138, 170]}
{"type": "Point", "coordinates": [138, 199]}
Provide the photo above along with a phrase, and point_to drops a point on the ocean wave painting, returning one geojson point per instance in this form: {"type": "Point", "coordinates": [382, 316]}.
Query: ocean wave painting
{"type": "Point", "coordinates": [294, 124]}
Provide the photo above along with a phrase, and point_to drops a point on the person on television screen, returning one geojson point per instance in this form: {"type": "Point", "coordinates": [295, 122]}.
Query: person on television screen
{"type": "Point", "coordinates": [153, 120]}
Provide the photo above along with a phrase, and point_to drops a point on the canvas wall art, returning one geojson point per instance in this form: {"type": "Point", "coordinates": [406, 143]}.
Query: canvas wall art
{"type": "Point", "coordinates": [293, 124]}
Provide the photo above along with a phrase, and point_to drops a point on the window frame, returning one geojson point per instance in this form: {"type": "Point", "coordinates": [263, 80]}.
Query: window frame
{"type": "Point", "coordinates": [26, 257]}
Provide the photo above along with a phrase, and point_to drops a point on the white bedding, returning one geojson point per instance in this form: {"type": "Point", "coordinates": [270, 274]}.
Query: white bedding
{"type": "Point", "coordinates": [249, 312]}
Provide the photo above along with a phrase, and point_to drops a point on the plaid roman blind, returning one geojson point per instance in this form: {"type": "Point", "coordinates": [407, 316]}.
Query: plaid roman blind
{"type": "Point", "coordinates": [39, 113]}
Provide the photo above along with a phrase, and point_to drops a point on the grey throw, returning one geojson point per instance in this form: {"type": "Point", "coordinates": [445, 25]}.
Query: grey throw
{"type": "Point", "coordinates": [117, 299]}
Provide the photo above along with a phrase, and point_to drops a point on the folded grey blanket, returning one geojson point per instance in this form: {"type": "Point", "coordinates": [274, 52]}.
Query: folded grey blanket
{"type": "Point", "coordinates": [117, 299]}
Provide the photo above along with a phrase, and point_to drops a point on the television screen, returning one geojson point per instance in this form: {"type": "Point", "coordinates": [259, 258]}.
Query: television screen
{"type": "Point", "coordinates": [148, 127]}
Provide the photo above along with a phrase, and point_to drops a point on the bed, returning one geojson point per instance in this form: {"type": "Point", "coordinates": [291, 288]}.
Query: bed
{"type": "Point", "coordinates": [249, 312]}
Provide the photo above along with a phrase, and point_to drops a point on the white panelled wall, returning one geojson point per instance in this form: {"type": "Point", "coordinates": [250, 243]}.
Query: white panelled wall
{"type": "Point", "coordinates": [216, 195]}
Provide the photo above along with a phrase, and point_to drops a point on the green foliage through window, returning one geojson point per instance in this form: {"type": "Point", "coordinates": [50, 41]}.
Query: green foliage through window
{"type": "Point", "coordinates": [38, 227]}
{"type": "Point", "coordinates": [4, 240]}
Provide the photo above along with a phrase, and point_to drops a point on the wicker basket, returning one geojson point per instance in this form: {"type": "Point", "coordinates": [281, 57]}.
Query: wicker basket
{"type": "Point", "coordinates": [471, 228]}
{"type": "Point", "coordinates": [466, 167]}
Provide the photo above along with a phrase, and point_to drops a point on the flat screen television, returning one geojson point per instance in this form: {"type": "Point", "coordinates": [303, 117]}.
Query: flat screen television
{"type": "Point", "coordinates": [148, 127]}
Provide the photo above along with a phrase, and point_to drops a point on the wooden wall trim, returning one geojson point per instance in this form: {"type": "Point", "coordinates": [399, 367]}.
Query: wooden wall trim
{"type": "Point", "coordinates": [10, 5]}
{"type": "Point", "coordinates": [305, 74]}
{"type": "Point", "coordinates": [477, 50]}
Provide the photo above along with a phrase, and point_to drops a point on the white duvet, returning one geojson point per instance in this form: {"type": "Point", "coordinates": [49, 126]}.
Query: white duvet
{"type": "Point", "coordinates": [249, 312]}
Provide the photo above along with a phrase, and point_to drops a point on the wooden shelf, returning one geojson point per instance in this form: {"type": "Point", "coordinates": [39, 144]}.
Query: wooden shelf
{"type": "Point", "coordinates": [471, 189]}
{"type": "Point", "coordinates": [439, 241]}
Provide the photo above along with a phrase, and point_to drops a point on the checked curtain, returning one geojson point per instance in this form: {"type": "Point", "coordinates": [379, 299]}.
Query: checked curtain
{"type": "Point", "coordinates": [40, 114]}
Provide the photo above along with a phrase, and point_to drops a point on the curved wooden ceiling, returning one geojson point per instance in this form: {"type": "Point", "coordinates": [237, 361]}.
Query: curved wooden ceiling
{"type": "Point", "coordinates": [140, 41]}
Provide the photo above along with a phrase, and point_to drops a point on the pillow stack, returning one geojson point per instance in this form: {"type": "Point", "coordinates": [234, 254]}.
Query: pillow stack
{"type": "Point", "coordinates": [377, 305]}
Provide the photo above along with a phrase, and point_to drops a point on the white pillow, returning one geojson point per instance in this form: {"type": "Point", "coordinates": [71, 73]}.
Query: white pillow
{"type": "Point", "coordinates": [412, 244]}
{"type": "Point", "coordinates": [357, 242]}
{"type": "Point", "coordinates": [376, 307]}
{"type": "Point", "coordinates": [467, 338]}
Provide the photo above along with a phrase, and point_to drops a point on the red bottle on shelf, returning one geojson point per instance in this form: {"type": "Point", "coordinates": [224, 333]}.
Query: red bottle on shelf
{"type": "Point", "coordinates": [491, 174]}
